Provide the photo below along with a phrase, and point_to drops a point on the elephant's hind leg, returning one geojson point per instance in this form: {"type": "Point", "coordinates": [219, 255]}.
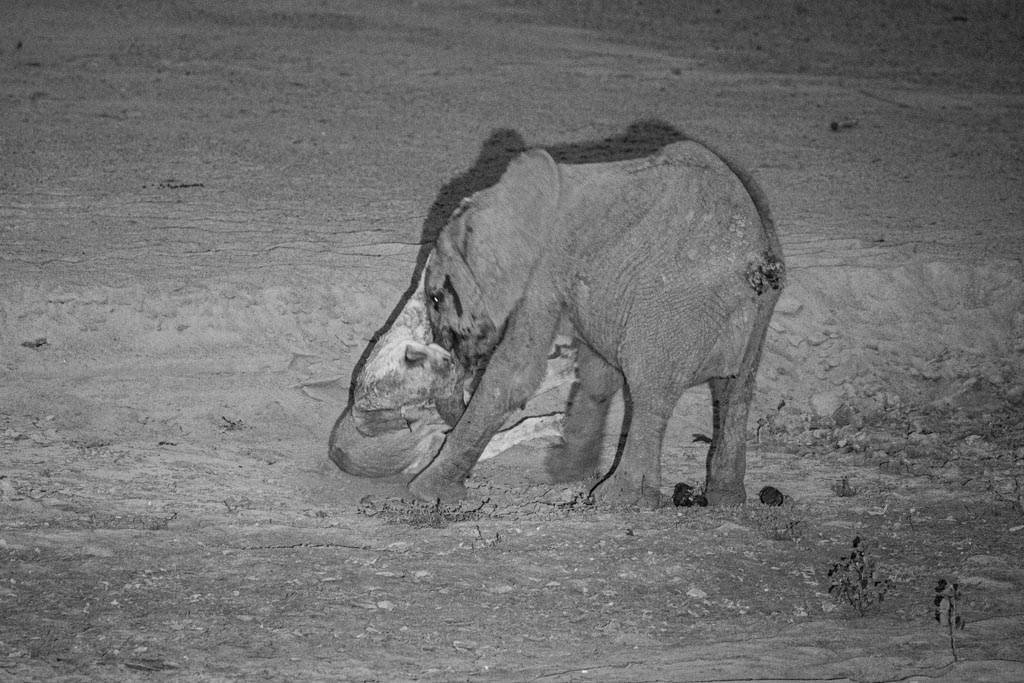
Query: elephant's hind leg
{"type": "Point", "coordinates": [727, 456]}
{"type": "Point", "coordinates": [731, 397]}
{"type": "Point", "coordinates": [585, 422]}
{"type": "Point", "coordinates": [637, 477]}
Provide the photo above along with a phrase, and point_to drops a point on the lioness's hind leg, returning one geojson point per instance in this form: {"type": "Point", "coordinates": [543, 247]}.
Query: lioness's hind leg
{"type": "Point", "coordinates": [585, 421]}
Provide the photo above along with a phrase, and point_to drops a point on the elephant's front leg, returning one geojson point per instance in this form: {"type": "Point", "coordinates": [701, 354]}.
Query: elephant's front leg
{"type": "Point", "coordinates": [513, 373]}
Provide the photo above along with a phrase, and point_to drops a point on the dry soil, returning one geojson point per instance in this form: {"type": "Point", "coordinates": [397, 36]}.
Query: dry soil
{"type": "Point", "coordinates": [207, 209]}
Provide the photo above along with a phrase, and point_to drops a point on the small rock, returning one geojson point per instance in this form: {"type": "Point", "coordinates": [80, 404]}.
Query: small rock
{"type": "Point", "coordinates": [826, 403]}
{"type": "Point", "coordinates": [951, 473]}
{"type": "Point", "coordinates": [983, 560]}
{"type": "Point", "coordinates": [7, 490]}
{"type": "Point", "coordinates": [696, 593]}
{"type": "Point", "coordinates": [788, 305]}
{"type": "Point", "coordinates": [845, 416]}
{"type": "Point", "coordinates": [817, 338]}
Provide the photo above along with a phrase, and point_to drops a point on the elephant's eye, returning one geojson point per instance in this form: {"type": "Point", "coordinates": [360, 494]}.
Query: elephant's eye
{"type": "Point", "coordinates": [435, 299]}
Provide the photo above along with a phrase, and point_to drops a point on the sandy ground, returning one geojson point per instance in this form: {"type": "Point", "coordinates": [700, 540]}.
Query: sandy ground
{"type": "Point", "coordinates": [208, 209]}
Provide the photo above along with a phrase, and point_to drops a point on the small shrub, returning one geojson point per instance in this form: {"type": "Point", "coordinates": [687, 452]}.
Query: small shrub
{"type": "Point", "coordinates": [843, 488]}
{"type": "Point", "coordinates": [948, 609]}
{"type": "Point", "coordinates": [419, 514]}
{"type": "Point", "coordinates": [855, 579]}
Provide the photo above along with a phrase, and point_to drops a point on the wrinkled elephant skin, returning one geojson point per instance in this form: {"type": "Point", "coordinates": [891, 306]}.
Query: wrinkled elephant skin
{"type": "Point", "coordinates": [668, 268]}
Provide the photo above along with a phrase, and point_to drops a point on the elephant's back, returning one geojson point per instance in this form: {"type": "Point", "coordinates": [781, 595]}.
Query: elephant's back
{"type": "Point", "coordinates": [683, 212]}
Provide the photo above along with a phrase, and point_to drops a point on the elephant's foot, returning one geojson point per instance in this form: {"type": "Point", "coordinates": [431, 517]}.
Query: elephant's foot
{"type": "Point", "coordinates": [564, 464]}
{"type": "Point", "coordinates": [621, 490]}
{"type": "Point", "coordinates": [721, 496]}
{"type": "Point", "coordinates": [429, 486]}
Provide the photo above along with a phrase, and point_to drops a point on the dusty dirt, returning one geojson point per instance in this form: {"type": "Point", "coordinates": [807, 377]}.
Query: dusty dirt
{"type": "Point", "coordinates": [208, 208]}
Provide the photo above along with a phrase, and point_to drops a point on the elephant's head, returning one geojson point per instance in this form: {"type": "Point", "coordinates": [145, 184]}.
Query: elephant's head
{"type": "Point", "coordinates": [482, 262]}
{"type": "Point", "coordinates": [406, 396]}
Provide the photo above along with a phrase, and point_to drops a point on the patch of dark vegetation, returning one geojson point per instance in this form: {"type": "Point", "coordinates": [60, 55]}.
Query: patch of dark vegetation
{"type": "Point", "coordinates": [684, 495]}
{"type": "Point", "coordinates": [856, 580]}
{"type": "Point", "coordinates": [231, 425]}
{"type": "Point", "coordinates": [418, 514]}
{"type": "Point", "coordinates": [948, 611]}
{"type": "Point", "coordinates": [843, 488]}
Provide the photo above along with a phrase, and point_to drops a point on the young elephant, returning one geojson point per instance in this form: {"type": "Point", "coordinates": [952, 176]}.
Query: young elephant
{"type": "Point", "coordinates": [667, 267]}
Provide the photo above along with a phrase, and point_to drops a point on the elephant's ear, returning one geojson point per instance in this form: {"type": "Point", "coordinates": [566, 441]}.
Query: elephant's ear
{"type": "Point", "coordinates": [531, 187]}
{"type": "Point", "coordinates": [509, 228]}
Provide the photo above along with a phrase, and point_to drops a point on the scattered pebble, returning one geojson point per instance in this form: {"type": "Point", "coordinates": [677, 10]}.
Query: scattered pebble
{"type": "Point", "coordinates": [842, 124]}
{"type": "Point", "coordinates": [826, 403]}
